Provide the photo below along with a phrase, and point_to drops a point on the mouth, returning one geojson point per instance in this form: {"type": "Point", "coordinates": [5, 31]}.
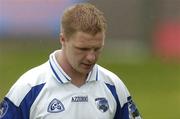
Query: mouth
{"type": "Point", "coordinates": [87, 66]}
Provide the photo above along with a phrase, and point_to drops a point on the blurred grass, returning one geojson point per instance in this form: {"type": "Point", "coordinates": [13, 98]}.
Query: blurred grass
{"type": "Point", "coordinates": [154, 85]}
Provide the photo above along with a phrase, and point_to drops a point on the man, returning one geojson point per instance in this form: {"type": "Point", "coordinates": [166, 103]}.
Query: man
{"type": "Point", "coordinates": [71, 85]}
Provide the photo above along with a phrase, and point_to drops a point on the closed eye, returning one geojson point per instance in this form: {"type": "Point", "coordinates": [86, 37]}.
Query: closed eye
{"type": "Point", "coordinates": [98, 49]}
{"type": "Point", "coordinates": [84, 49]}
{"type": "Point", "coordinates": [88, 49]}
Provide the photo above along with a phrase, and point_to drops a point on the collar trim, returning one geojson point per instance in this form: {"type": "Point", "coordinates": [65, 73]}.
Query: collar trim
{"type": "Point", "coordinates": [62, 77]}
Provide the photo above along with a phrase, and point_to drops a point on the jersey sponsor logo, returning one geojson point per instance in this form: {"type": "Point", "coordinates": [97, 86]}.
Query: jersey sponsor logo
{"type": "Point", "coordinates": [80, 99]}
{"type": "Point", "coordinates": [3, 108]}
{"type": "Point", "coordinates": [102, 104]}
{"type": "Point", "coordinates": [134, 113]}
{"type": "Point", "coordinates": [55, 106]}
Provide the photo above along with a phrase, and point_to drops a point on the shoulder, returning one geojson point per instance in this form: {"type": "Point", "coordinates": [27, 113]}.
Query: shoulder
{"type": "Point", "coordinates": [35, 77]}
{"type": "Point", "coordinates": [112, 79]}
{"type": "Point", "coordinates": [108, 76]}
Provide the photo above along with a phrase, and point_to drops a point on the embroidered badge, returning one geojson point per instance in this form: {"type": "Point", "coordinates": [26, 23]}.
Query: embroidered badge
{"type": "Point", "coordinates": [55, 106]}
{"type": "Point", "coordinates": [102, 104]}
{"type": "Point", "coordinates": [134, 113]}
{"type": "Point", "coordinates": [3, 108]}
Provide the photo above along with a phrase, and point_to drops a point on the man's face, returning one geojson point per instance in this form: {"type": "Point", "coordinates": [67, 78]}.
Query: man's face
{"type": "Point", "coordinates": [82, 50]}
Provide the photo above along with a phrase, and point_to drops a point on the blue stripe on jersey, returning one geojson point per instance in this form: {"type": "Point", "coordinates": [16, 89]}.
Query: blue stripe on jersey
{"type": "Point", "coordinates": [120, 113]}
{"type": "Point", "coordinates": [55, 73]}
{"type": "Point", "coordinates": [23, 111]}
{"type": "Point", "coordinates": [125, 111]}
{"type": "Point", "coordinates": [29, 100]}
{"type": "Point", "coordinates": [60, 70]}
{"type": "Point", "coordinates": [97, 75]}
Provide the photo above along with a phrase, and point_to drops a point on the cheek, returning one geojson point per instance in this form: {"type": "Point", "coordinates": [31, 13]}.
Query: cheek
{"type": "Point", "coordinates": [79, 54]}
{"type": "Point", "coordinates": [75, 57]}
{"type": "Point", "coordinates": [79, 57]}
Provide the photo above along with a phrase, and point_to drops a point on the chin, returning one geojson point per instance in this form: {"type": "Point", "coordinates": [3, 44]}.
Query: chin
{"type": "Point", "coordinates": [85, 71]}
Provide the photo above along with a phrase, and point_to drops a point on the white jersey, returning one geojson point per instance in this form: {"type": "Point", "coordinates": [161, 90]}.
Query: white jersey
{"type": "Point", "coordinates": [46, 92]}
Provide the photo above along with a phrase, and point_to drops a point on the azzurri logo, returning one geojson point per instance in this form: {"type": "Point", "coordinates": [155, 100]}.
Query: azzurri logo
{"type": "Point", "coordinates": [79, 99]}
{"type": "Point", "coordinates": [3, 108]}
{"type": "Point", "coordinates": [102, 104]}
{"type": "Point", "coordinates": [55, 106]}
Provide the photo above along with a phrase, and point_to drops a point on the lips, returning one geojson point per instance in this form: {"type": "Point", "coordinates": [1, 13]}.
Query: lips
{"type": "Point", "coordinates": [87, 66]}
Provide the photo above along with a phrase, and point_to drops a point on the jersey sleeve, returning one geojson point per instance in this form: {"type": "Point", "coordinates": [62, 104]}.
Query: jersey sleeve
{"type": "Point", "coordinates": [21, 96]}
{"type": "Point", "coordinates": [18, 101]}
{"type": "Point", "coordinates": [129, 109]}
{"type": "Point", "coordinates": [16, 105]}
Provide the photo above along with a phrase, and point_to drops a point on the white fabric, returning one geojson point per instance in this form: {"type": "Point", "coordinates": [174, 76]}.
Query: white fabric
{"type": "Point", "coordinates": [70, 97]}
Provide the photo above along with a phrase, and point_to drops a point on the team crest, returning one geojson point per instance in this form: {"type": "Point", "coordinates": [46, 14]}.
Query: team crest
{"type": "Point", "coordinates": [3, 108]}
{"type": "Point", "coordinates": [55, 106]}
{"type": "Point", "coordinates": [102, 104]}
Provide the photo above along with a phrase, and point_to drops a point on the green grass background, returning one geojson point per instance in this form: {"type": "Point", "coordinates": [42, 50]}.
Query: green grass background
{"type": "Point", "coordinates": [154, 85]}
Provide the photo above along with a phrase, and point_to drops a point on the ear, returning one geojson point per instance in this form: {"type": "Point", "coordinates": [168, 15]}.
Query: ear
{"type": "Point", "coordinates": [62, 39]}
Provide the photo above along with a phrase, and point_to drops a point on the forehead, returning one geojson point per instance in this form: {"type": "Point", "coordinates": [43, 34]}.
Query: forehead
{"type": "Point", "coordinates": [82, 38]}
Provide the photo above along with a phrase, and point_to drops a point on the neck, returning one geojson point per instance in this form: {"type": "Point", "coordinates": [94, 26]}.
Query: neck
{"type": "Point", "coordinates": [77, 78]}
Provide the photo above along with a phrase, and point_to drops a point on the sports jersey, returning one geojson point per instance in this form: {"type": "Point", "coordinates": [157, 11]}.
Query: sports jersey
{"type": "Point", "coordinates": [46, 92]}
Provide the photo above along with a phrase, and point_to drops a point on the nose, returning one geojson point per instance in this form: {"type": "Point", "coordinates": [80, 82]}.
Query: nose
{"type": "Point", "coordinates": [91, 57]}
